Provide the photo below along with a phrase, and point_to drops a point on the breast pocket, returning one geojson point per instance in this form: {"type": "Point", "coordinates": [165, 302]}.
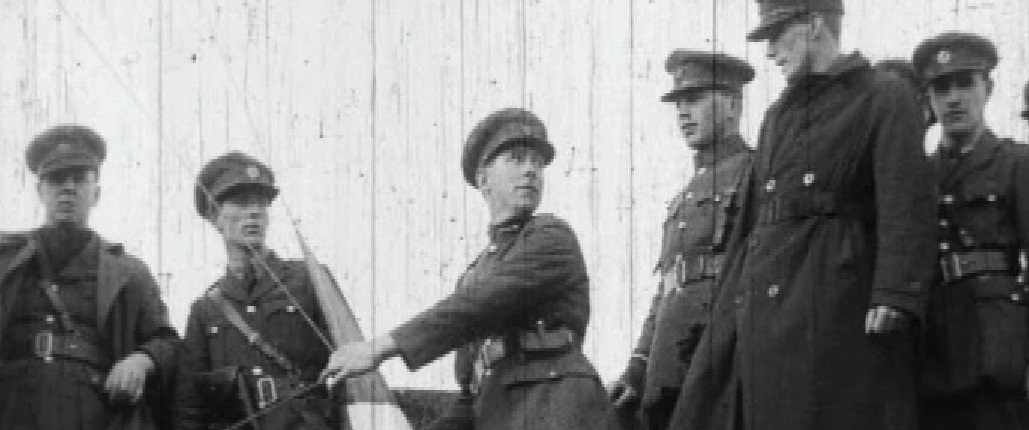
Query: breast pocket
{"type": "Point", "coordinates": [984, 215]}
{"type": "Point", "coordinates": [288, 329]}
{"type": "Point", "coordinates": [215, 340]}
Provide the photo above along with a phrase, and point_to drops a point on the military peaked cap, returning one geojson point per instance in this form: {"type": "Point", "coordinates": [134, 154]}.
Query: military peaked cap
{"type": "Point", "coordinates": [775, 13]}
{"type": "Point", "coordinates": [227, 172]}
{"type": "Point", "coordinates": [693, 70]}
{"type": "Point", "coordinates": [498, 130]}
{"type": "Point", "coordinates": [953, 52]}
{"type": "Point", "coordinates": [65, 146]}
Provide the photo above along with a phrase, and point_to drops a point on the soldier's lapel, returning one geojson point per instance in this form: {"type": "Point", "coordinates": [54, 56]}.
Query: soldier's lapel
{"type": "Point", "coordinates": [268, 282]}
{"type": "Point", "coordinates": [8, 297]}
{"type": "Point", "coordinates": [981, 154]}
{"type": "Point", "coordinates": [112, 275]}
{"type": "Point", "coordinates": [19, 259]}
{"type": "Point", "coordinates": [231, 287]}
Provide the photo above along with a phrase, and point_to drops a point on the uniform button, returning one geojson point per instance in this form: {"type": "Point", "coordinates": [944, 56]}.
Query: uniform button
{"type": "Point", "coordinates": [251, 309]}
{"type": "Point", "coordinates": [552, 374]}
{"type": "Point", "coordinates": [944, 223]}
{"type": "Point", "coordinates": [702, 170]}
{"type": "Point", "coordinates": [1015, 297]}
{"type": "Point", "coordinates": [214, 329]}
{"type": "Point", "coordinates": [491, 248]}
{"type": "Point", "coordinates": [49, 319]}
{"type": "Point", "coordinates": [689, 195]}
{"type": "Point", "coordinates": [291, 308]}
{"type": "Point", "coordinates": [738, 300]}
{"type": "Point", "coordinates": [770, 185]}
{"type": "Point", "coordinates": [948, 199]}
{"type": "Point", "coordinates": [682, 225]}
{"type": "Point", "coordinates": [991, 198]}
{"type": "Point", "coordinates": [257, 371]}
{"type": "Point", "coordinates": [944, 246]}
{"type": "Point", "coordinates": [809, 178]}
{"type": "Point", "coordinates": [718, 198]}
{"type": "Point", "coordinates": [487, 372]}
{"type": "Point", "coordinates": [773, 291]}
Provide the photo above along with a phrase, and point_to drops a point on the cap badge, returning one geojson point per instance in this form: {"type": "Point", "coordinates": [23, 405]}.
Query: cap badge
{"type": "Point", "coordinates": [943, 57]}
{"type": "Point", "coordinates": [63, 147]}
{"type": "Point", "coordinates": [253, 172]}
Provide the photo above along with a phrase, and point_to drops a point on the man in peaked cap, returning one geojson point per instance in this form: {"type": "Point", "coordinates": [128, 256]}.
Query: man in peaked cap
{"type": "Point", "coordinates": [85, 341]}
{"type": "Point", "coordinates": [708, 95]}
{"type": "Point", "coordinates": [976, 342]}
{"type": "Point", "coordinates": [248, 340]}
{"type": "Point", "coordinates": [519, 312]}
{"type": "Point", "coordinates": [829, 261]}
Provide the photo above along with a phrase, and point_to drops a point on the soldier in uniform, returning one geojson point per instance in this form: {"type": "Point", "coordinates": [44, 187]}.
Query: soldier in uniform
{"type": "Point", "coordinates": [519, 312]}
{"type": "Point", "coordinates": [708, 92]}
{"type": "Point", "coordinates": [253, 337]}
{"type": "Point", "coordinates": [976, 340]}
{"type": "Point", "coordinates": [832, 253]}
{"type": "Point", "coordinates": [85, 341]}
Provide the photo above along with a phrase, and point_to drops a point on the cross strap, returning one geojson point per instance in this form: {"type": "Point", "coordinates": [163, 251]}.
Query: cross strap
{"type": "Point", "coordinates": [50, 290]}
{"type": "Point", "coordinates": [251, 335]}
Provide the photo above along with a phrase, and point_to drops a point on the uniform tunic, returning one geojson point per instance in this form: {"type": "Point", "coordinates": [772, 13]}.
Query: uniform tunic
{"type": "Point", "coordinates": [692, 249]}
{"type": "Point", "coordinates": [213, 344]}
{"type": "Point", "coordinates": [977, 329]}
{"type": "Point", "coordinates": [838, 218]}
{"type": "Point", "coordinates": [64, 393]}
{"type": "Point", "coordinates": [532, 271]}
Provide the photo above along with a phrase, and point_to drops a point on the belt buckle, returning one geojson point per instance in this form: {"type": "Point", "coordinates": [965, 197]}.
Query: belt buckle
{"type": "Point", "coordinates": [266, 392]}
{"type": "Point", "coordinates": [43, 345]}
{"type": "Point", "coordinates": [951, 267]}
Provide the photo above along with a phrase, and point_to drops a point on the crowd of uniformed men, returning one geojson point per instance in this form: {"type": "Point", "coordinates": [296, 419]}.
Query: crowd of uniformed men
{"type": "Point", "coordinates": [836, 277]}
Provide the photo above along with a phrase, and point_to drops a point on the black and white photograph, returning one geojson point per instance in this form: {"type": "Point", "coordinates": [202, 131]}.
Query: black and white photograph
{"type": "Point", "coordinates": [514, 215]}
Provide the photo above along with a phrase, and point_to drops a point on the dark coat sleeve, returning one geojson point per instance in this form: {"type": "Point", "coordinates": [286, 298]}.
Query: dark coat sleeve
{"type": "Point", "coordinates": [154, 333]}
{"type": "Point", "coordinates": [542, 263]}
{"type": "Point", "coordinates": [190, 413]}
{"type": "Point", "coordinates": [905, 201]}
{"type": "Point", "coordinates": [1020, 191]}
{"type": "Point", "coordinates": [139, 323]}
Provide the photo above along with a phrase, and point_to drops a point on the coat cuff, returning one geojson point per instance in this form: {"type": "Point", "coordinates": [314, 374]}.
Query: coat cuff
{"type": "Point", "coordinates": [414, 349]}
{"type": "Point", "coordinates": [910, 301]}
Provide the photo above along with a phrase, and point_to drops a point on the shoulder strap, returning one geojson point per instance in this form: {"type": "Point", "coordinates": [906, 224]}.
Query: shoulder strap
{"type": "Point", "coordinates": [51, 292]}
{"type": "Point", "coordinates": [252, 335]}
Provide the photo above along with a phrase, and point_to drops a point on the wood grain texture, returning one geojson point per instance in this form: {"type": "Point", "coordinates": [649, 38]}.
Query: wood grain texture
{"type": "Point", "coordinates": [361, 108]}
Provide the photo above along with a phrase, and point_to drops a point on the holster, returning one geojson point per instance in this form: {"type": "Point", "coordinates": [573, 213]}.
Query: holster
{"type": "Point", "coordinates": [220, 385]}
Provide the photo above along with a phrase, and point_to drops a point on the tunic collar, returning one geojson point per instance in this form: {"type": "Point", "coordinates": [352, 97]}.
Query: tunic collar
{"type": "Point", "coordinates": [722, 148]}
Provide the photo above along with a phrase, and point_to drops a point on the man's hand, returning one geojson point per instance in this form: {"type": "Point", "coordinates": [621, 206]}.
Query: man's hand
{"type": "Point", "coordinates": [622, 394]}
{"type": "Point", "coordinates": [128, 378]}
{"type": "Point", "coordinates": [886, 320]}
{"type": "Point", "coordinates": [356, 358]}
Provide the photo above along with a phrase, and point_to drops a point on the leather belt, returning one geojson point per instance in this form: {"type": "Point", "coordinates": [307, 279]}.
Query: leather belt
{"type": "Point", "coordinates": [961, 264]}
{"type": "Point", "coordinates": [810, 203]}
{"type": "Point", "coordinates": [267, 389]}
{"type": "Point", "coordinates": [700, 267]}
{"type": "Point", "coordinates": [47, 346]}
{"type": "Point", "coordinates": [527, 343]}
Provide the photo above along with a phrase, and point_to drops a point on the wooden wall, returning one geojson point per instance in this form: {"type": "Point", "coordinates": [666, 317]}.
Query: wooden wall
{"type": "Point", "coordinates": [361, 107]}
